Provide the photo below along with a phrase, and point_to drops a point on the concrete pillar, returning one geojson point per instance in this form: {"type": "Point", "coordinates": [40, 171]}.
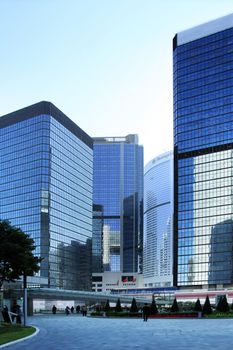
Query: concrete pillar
{"type": "Point", "coordinates": [30, 306]}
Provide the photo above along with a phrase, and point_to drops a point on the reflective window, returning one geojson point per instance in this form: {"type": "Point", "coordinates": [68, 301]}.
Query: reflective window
{"type": "Point", "coordinates": [118, 188]}
{"type": "Point", "coordinates": [158, 213]}
{"type": "Point", "coordinates": [46, 189]}
{"type": "Point", "coordinates": [203, 137]}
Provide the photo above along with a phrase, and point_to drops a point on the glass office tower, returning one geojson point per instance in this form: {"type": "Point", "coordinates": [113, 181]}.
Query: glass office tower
{"type": "Point", "coordinates": [97, 239]}
{"type": "Point", "coordinates": [46, 190]}
{"type": "Point", "coordinates": [203, 141]}
{"type": "Point", "coordinates": [158, 222]}
{"type": "Point", "coordinates": [118, 189]}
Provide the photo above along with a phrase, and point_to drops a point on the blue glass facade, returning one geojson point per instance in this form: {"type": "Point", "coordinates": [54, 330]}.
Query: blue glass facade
{"type": "Point", "coordinates": [203, 140]}
{"type": "Point", "coordinates": [46, 190]}
{"type": "Point", "coordinates": [97, 239]}
{"type": "Point", "coordinates": [158, 217]}
{"type": "Point", "coordinates": [118, 188]}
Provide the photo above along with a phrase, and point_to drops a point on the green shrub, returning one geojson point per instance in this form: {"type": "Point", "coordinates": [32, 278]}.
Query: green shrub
{"type": "Point", "coordinates": [118, 307]}
{"type": "Point", "coordinates": [107, 306]}
{"type": "Point", "coordinates": [223, 305]}
{"type": "Point", "coordinates": [197, 306]}
{"type": "Point", "coordinates": [207, 309]}
{"type": "Point", "coordinates": [220, 315]}
{"type": "Point", "coordinates": [175, 307]}
{"type": "Point", "coordinates": [97, 313]}
{"type": "Point", "coordinates": [123, 314]}
{"type": "Point", "coordinates": [153, 306]}
{"type": "Point", "coordinates": [134, 307]}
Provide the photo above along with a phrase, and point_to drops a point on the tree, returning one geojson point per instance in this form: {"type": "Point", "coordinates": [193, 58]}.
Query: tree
{"type": "Point", "coordinates": [107, 306]}
{"type": "Point", "coordinates": [118, 307]}
{"type": "Point", "coordinates": [175, 307]}
{"type": "Point", "coordinates": [207, 309]}
{"type": "Point", "coordinates": [197, 306]}
{"type": "Point", "coordinates": [134, 307]}
{"type": "Point", "coordinates": [153, 306]}
{"type": "Point", "coordinates": [16, 254]}
{"type": "Point", "coordinates": [223, 305]}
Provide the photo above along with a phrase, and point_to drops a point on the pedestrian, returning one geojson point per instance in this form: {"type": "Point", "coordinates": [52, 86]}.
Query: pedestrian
{"type": "Point", "coordinates": [145, 312]}
{"type": "Point", "coordinates": [5, 314]}
{"type": "Point", "coordinates": [84, 310]}
{"type": "Point", "coordinates": [67, 310]}
{"type": "Point", "coordinates": [54, 309]}
{"type": "Point", "coordinates": [78, 309]}
{"type": "Point", "coordinates": [14, 311]}
{"type": "Point", "coordinates": [72, 309]}
{"type": "Point", "coordinates": [19, 313]}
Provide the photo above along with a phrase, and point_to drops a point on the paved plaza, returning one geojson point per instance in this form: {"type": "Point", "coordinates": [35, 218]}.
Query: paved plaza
{"type": "Point", "coordinates": [60, 332]}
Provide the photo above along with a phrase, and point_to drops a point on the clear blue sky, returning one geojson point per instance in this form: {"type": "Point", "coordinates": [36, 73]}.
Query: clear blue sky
{"type": "Point", "coordinates": [107, 64]}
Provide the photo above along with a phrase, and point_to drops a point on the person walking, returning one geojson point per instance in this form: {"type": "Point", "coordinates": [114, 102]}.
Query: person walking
{"type": "Point", "coordinates": [19, 314]}
{"type": "Point", "coordinates": [54, 309]}
{"type": "Point", "coordinates": [84, 310]}
{"type": "Point", "coordinates": [14, 312]}
{"type": "Point", "coordinates": [78, 309]}
{"type": "Point", "coordinates": [145, 312]}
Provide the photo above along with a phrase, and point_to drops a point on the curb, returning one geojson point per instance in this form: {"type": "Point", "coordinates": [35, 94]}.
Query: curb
{"type": "Point", "coordinates": [21, 340]}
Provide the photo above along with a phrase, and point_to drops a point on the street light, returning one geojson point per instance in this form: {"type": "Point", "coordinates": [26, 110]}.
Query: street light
{"type": "Point", "coordinates": [25, 299]}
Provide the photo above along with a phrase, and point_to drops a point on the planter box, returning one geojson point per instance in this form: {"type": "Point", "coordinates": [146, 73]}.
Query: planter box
{"type": "Point", "coordinates": [176, 315]}
{"type": "Point", "coordinates": [139, 315]}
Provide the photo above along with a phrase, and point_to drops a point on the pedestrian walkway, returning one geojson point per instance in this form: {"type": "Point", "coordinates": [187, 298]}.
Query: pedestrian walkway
{"type": "Point", "coordinates": [76, 332]}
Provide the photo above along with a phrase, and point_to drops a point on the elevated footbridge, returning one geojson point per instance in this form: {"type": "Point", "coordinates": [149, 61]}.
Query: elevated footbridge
{"type": "Point", "coordinates": [87, 297]}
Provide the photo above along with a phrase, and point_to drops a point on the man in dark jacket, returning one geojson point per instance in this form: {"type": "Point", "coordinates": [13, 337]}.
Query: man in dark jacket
{"type": "Point", "coordinates": [145, 312]}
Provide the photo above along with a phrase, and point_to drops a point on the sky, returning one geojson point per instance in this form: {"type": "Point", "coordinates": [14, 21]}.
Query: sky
{"type": "Point", "coordinates": [107, 64]}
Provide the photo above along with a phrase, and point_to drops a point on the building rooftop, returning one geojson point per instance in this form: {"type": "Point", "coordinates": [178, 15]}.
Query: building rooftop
{"type": "Point", "coordinates": [205, 29]}
{"type": "Point", "coordinates": [132, 138]}
{"type": "Point", "coordinates": [164, 157]}
{"type": "Point", "coordinates": [46, 108]}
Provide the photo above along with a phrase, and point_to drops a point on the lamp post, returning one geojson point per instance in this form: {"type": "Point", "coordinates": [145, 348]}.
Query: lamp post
{"type": "Point", "coordinates": [25, 299]}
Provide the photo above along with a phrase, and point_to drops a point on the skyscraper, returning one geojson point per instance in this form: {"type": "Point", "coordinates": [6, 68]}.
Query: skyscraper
{"type": "Point", "coordinates": [118, 189]}
{"type": "Point", "coordinates": [203, 152]}
{"type": "Point", "coordinates": [46, 190]}
{"type": "Point", "coordinates": [97, 239]}
{"type": "Point", "coordinates": [158, 222]}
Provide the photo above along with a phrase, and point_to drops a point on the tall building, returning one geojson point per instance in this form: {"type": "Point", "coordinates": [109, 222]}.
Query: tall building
{"type": "Point", "coordinates": [97, 239]}
{"type": "Point", "coordinates": [46, 190]}
{"type": "Point", "coordinates": [118, 193]}
{"type": "Point", "coordinates": [158, 222]}
{"type": "Point", "coordinates": [203, 152]}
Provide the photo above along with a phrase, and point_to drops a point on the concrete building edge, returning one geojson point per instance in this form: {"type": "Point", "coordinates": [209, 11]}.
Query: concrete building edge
{"type": "Point", "coordinates": [21, 339]}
